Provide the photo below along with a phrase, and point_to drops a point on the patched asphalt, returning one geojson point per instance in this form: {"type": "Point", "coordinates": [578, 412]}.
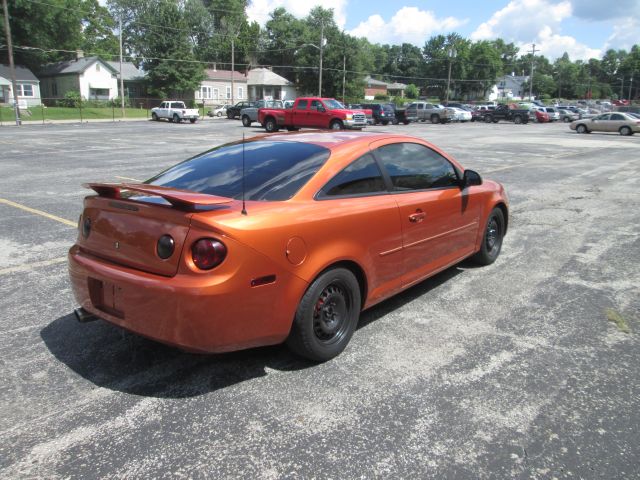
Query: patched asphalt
{"type": "Point", "coordinates": [506, 371]}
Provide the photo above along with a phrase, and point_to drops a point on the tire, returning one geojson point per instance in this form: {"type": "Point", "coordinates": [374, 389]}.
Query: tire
{"type": "Point", "coordinates": [406, 122]}
{"type": "Point", "coordinates": [491, 239]}
{"type": "Point", "coordinates": [270, 125]}
{"type": "Point", "coordinates": [566, 119]}
{"type": "Point", "coordinates": [435, 118]}
{"type": "Point", "coordinates": [336, 125]}
{"type": "Point", "coordinates": [488, 119]}
{"type": "Point", "coordinates": [625, 131]}
{"type": "Point", "coordinates": [517, 119]}
{"type": "Point", "coordinates": [246, 121]}
{"type": "Point", "coordinates": [385, 122]}
{"type": "Point", "coordinates": [219, 114]}
{"type": "Point", "coordinates": [395, 121]}
{"type": "Point", "coordinates": [582, 129]}
{"type": "Point", "coordinates": [327, 316]}
{"type": "Point", "coordinates": [192, 120]}
{"type": "Point", "coordinates": [495, 120]}
{"type": "Point", "coordinates": [154, 117]}
{"type": "Point", "coordinates": [229, 115]}
{"type": "Point", "coordinates": [176, 118]}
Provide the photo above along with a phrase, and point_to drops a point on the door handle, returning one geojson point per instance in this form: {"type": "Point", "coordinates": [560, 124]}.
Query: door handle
{"type": "Point", "coordinates": [417, 217]}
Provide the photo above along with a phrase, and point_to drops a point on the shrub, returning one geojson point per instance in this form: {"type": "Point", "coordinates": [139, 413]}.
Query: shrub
{"type": "Point", "coordinates": [71, 99]}
{"type": "Point", "coordinates": [380, 96]}
{"type": "Point", "coordinates": [116, 102]}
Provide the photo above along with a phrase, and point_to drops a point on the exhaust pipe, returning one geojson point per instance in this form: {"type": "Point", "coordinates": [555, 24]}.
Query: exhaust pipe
{"type": "Point", "coordinates": [83, 316]}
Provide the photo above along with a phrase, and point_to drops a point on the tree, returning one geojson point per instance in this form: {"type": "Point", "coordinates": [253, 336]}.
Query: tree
{"type": "Point", "coordinates": [158, 33]}
{"type": "Point", "coordinates": [412, 91]}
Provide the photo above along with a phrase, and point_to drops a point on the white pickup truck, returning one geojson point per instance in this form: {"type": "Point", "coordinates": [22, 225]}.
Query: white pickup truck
{"type": "Point", "coordinates": [174, 112]}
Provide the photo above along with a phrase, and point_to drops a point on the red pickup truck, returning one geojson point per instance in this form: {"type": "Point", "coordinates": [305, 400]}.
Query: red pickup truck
{"type": "Point", "coordinates": [312, 112]}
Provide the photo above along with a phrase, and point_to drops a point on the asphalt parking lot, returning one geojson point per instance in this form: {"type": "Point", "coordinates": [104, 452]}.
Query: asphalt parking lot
{"type": "Point", "coordinates": [507, 371]}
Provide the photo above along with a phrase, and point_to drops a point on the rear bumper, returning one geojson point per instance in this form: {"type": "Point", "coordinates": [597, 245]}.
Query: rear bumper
{"type": "Point", "coordinates": [202, 313]}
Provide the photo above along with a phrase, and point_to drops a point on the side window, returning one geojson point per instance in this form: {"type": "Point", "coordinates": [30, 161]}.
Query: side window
{"type": "Point", "coordinates": [302, 105]}
{"type": "Point", "coordinates": [415, 167]}
{"type": "Point", "coordinates": [617, 116]}
{"type": "Point", "coordinates": [317, 105]}
{"type": "Point", "coordinates": [606, 116]}
{"type": "Point", "coordinates": [360, 178]}
{"type": "Point", "coordinates": [420, 106]}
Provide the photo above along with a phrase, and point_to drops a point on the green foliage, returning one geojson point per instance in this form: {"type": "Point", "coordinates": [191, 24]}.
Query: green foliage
{"type": "Point", "coordinates": [380, 96]}
{"type": "Point", "coordinates": [412, 91]}
{"type": "Point", "coordinates": [71, 99]}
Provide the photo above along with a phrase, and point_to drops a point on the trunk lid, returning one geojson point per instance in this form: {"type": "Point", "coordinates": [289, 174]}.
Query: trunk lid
{"type": "Point", "coordinates": [125, 228]}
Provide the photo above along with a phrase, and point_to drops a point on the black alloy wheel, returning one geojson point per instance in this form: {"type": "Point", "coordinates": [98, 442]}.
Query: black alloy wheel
{"type": "Point", "coordinates": [492, 239]}
{"type": "Point", "coordinates": [327, 316]}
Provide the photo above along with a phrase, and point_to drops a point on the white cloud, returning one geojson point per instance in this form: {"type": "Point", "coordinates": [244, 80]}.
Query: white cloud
{"type": "Point", "coordinates": [523, 20]}
{"type": "Point", "coordinates": [535, 21]}
{"type": "Point", "coordinates": [259, 10]}
{"type": "Point", "coordinates": [409, 24]}
{"type": "Point", "coordinates": [625, 34]}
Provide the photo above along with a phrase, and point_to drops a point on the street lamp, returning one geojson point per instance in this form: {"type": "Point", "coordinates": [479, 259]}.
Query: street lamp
{"type": "Point", "coordinates": [630, 83]}
{"type": "Point", "coordinates": [451, 53]}
{"type": "Point", "coordinates": [621, 87]}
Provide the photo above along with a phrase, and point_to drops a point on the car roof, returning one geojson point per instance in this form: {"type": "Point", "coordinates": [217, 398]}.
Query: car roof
{"type": "Point", "coordinates": [330, 140]}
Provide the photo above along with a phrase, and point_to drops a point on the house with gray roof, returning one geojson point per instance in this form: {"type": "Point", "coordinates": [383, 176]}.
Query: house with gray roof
{"type": "Point", "coordinates": [264, 84]}
{"type": "Point", "coordinates": [93, 77]}
{"type": "Point", "coordinates": [27, 84]}
{"type": "Point", "coordinates": [216, 88]}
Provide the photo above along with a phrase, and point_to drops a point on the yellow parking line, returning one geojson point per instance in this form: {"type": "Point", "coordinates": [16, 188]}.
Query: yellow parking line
{"type": "Point", "coordinates": [38, 212]}
{"type": "Point", "coordinates": [129, 178]}
{"type": "Point", "coordinates": [30, 266]}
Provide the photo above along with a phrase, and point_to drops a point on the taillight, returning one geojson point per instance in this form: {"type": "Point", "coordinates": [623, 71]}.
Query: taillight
{"type": "Point", "coordinates": [208, 253]}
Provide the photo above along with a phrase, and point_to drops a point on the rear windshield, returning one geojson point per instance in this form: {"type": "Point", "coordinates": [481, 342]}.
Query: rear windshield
{"type": "Point", "coordinates": [273, 171]}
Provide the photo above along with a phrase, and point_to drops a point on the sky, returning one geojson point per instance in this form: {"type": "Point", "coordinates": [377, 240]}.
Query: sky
{"type": "Point", "coordinates": [582, 28]}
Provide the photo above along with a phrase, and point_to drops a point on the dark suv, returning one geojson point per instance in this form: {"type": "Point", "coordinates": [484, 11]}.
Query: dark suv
{"type": "Point", "coordinates": [381, 113]}
{"type": "Point", "coordinates": [233, 112]}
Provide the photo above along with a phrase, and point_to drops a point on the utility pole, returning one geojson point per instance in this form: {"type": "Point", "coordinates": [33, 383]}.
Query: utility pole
{"type": "Point", "coordinates": [233, 65]}
{"type": "Point", "coordinates": [630, 83]}
{"type": "Point", "coordinates": [533, 54]}
{"type": "Point", "coordinates": [621, 87]}
{"type": "Point", "coordinates": [321, 42]}
{"type": "Point", "coordinates": [12, 67]}
{"type": "Point", "coordinates": [344, 74]}
{"type": "Point", "coordinates": [121, 79]}
{"type": "Point", "coordinates": [452, 54]}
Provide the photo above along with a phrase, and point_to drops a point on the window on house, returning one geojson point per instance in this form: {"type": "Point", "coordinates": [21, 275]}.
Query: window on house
{"type": "Point", "coordinates": [205, 93]}
{"type": "Point", "coordinates": [228, 93]}
{"type": "Point", "coordinates": [25, 90]}
{"type": "Point", "coordinates": [240, 92]}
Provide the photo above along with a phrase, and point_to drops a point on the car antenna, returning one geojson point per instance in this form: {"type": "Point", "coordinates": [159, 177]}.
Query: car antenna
{"type": "Point", "coordinates": [244, 205]}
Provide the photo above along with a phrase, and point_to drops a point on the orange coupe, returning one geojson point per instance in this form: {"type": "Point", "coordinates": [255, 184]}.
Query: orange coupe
{"type": "Point", "coordinates": [279, 238]}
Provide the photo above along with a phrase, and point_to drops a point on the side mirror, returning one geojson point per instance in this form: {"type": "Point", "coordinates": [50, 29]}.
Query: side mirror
{"type": "Point", "coordinates": [470, 178]}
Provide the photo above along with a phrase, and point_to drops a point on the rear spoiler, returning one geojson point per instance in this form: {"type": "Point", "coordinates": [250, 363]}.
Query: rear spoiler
{"type": "Point", "coordinates": [180, 199]}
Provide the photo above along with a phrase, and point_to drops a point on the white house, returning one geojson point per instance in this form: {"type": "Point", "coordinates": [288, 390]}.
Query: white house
{"type": "Point", "coordinates": [509, 87]}
{"type": "Point", "coordinates": [93, 77]}
{"type": "Point", "coordinates": [215, 89]}
{"type": "Point", "coordinates": [27, 84]}
{"type": "Point", "coordinates": [265, 84]}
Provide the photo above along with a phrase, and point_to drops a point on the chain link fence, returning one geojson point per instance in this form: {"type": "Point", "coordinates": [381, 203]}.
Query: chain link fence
{"type": "Point", "coordinates": [52, 110]}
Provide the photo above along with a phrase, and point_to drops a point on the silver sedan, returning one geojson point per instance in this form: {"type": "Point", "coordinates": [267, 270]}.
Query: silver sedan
{"type": "Point", "coordinates": [622, 123]}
